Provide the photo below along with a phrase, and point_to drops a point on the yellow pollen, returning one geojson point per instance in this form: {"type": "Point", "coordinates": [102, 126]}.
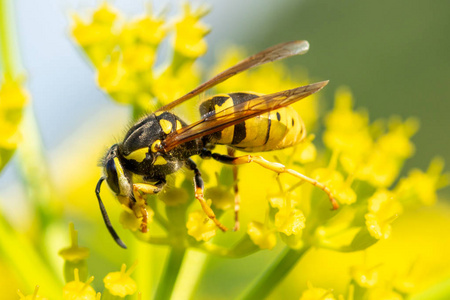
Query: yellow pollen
{"type": "Point", "coordinates": [138, 155]}
{"type": "Point", "coordinates": [166, 126]}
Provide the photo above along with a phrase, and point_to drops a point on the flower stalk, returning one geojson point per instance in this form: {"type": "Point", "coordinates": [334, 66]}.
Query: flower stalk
{"type": "Point", "coordinates": [279, 269]}
{"type": "Point", "coordinates": [191, 272]}
{"type": "Point", "coordinates": [7, 42]}
{"type": "Point", "coordinates": [170, 273]}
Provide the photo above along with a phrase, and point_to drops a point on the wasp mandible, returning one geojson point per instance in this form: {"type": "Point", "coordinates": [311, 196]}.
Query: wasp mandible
{"type": "Point", "coordinates": [161, 143]}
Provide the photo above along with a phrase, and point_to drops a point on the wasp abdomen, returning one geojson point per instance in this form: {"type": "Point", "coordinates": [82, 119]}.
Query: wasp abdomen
{"type": "Point", "coordinates": [273, 130]}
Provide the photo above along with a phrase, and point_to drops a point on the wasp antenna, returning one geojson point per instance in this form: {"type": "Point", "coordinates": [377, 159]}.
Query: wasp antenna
{"type": "Point", "coordinates": [105, 216]}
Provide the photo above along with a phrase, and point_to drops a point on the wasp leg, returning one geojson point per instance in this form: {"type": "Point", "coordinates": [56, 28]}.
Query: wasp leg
{"type": "Point", "coordinates": [237, 197]}
{"type": "Point", "coordinates": [276, 167]}
{"type": "Point", "coordinates": [199, 186]}
{"type": "Point", "coordinates": [139, 207]}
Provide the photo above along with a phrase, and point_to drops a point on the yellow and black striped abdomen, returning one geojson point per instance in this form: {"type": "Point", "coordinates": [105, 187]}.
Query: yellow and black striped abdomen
{"type": "Point", "coordinates": [273, 130]}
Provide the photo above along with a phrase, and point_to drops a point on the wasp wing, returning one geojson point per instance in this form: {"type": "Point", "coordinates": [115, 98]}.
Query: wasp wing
{"type": "Point", "coordinates": [273, 53]}
{"type": "Point", "coordinates": [211, 123]}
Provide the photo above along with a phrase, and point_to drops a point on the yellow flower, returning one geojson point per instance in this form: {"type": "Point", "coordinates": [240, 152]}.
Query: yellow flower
{"type": "Point", "coordinates": [308, 153]}
{"type": "Point", "coordinates": [34, 296]}
{"type": "Point", "coordinates": [262, 236]}
{"type": "Point", "coordinates": [99, 34]}
{"type": "Point", "coordinates": [190, 32]}
{"type": "Point", "coordinates": [200, 226]}
{"type": "Point", "coordinates": [364, 276]}
{"type": "Point", "coordinates": [139, 40]}
{"type": "Point", "coordinates": [385, 160]}
{"type": "Point", "coordinates": [289, 221]}
{"type": "Point", "coordinates": [138, 217]}
{"type": "Point", "coordinates": [173, 196]}
{"type": "Point", "coordinates": [347, 131]}
{"type": "Point", "coordinates": [407, 282]}
{"type": "Point", "coordinates": [313, 293]}
{"type": "Point", "coordinates": [334, 180]}
{"type": "Point", "coordinates": [145, 29]}
{"type": "Point", "coordinates": [74, 253]}
{"type": "Point", "coordinates": [380, 170]}
{"type": "Point", "coordinates": [77, 290]}
{"type": "Point", "coordinates": [380, 293]}
{"type": "Point", "coordinates": [171, 85]}
{"type": "Point", "coordinates": [114, 78]}
{"type": "Point", "coordinates": [139, 58]}
{"type": "Point", "coordinates": [13, 98]}
{"type": "Point", "coordinates": [397, 142]}
{"type": "Point", "coordinates": [284, 200]}
{"type": "Point", "coordinates": [420, 187]}
{"type": "Point", "coordinates": [341, 232]}
{"type": "Point", "coordinates": [221, 195]}
{"type": "Point", "coordinates": [383, 210]}
{"type": "Point", "coordinates": [105, 14]}
{"type": "Point", "coordinates": [120, 283]}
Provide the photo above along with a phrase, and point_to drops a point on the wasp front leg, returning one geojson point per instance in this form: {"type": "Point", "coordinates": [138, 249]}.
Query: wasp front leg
{"type": "Point", "coordinates": [276, 167]}
{"type": "Point", "coordinates": [140, 206]}
{"type": "Point", "coordinates": [199, 187]}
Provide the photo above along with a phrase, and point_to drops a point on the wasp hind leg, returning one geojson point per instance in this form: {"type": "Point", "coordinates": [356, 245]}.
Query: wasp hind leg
{"type": "Point", "coordinates": [276, 167]}
{"type": "Point", "coordinates": [199, 186]}
{"type": "Point", "coordinates": [140, 206]}
{"type": "Point", "coordinates": [237, 197]}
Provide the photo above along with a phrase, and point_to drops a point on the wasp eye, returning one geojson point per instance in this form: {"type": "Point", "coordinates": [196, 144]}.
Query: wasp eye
{"type": "Point", "coordinates": [111, 176]}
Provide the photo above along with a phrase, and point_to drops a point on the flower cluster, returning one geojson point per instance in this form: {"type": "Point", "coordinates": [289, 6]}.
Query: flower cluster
{"type": "Point", "coordinates": [13, 96]}
{"type": "Point", "coordinates": [366, 160]}
{"type": "Point", "coordinates": [13, 99]}
{"type": "Point", "coordinates": [124, 53]}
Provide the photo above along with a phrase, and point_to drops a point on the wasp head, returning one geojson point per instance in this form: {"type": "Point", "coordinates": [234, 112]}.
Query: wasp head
{"type": "Point", "coordinates": [117, 181]}
{"type": "Point", "coordinates": [115, 174]}
{"type": "Point", "coordinates": [110, 169]}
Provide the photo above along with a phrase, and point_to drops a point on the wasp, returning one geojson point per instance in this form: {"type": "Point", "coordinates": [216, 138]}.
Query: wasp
{"type": "Point", "coordinates": [161, 143]}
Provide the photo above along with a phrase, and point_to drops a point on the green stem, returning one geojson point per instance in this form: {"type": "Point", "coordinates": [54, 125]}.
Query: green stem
{"type": "Point", "coordinates": [7, 43]}
{"type": "Point", "coordinates": [156, 240]}
{"type": "Point", "coordinates": [242, 248]}
{"type": "Point", "coordinates": [173, 266]}
{"type": "Point", "coordinates": [26, 262]}
{"type": "Point", "coordinates": [157, 215]}
{"type": "Point", "coordinates": [274, 275]}
{"type": "Point", "coordinates": [190, 275]}
{"type": "Point", "coordinates": [438, 291]}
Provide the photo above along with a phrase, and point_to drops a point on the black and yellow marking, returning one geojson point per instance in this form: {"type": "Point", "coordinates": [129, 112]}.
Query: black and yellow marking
{"type": "Point", "coordinates": [269, 131]}
{"type": "Point", "coordinates": [167, 121]}
{"type": "Point", "coordinates": [138, 155]}
{"type": "Point", "coordinates": [155, 146]}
